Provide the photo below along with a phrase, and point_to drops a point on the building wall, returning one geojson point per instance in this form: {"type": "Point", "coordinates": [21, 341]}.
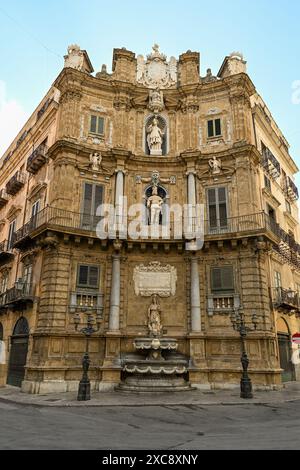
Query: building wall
{"type": "Point", "coordinates": [57, 244]}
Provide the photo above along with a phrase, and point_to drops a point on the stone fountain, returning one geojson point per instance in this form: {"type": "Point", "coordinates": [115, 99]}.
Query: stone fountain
{"type": "Point", "coordinates": [156, 366]}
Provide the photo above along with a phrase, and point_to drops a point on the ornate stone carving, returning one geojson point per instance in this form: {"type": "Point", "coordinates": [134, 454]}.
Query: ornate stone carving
{"type": "Point", "coordinates": [156, 100]}
{"type": "Point", "coordinates": [209, 77]}
{"type": "Point", "coordinates": [155, 279]}
{"type": "Point", "coordinates": [155, 179]}
{"type": "Point", "coordinates": [74, 58]}
{"type": "Point", "coordinates": [156, 71]}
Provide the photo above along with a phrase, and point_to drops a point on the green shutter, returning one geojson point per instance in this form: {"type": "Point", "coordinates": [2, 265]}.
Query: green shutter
{"type": "Point", "coordinates": [210, 128]}
{"type": "Point", "coordinates": [83, 272]}
{"type": "Point", "coordinates": [222, 279]}
{"type": "Point", "coordinates": [93, 276]}
{"type": "Point", "coordinates": [93, 127]}
{"type": "Point", "coordinates": [100, 129]}
{"type": "Point", "coordinates": [217, 126]}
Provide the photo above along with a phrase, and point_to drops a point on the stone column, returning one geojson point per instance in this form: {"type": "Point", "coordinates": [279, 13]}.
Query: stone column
{"type": "Point", "coordinates": [119, 206]}
{"type": "Point", "coordinates": [191, 200]}
{"type": "Point", "coordinates": [114, 311]}
{"type": "Point", "coordinates": [195, 297]}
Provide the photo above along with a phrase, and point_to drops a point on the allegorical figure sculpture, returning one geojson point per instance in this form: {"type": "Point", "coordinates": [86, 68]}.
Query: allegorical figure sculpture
{"type": "Point", "coordinates": [215, 165]}
{"type": "Point", "coordinates": [154, 320]}
{"type": "Point", "coordinates": [95, 161]}
{"type": "Point", "coordinates": [154, 203]}
{"type": "Point", "coordinates": [154, 138]}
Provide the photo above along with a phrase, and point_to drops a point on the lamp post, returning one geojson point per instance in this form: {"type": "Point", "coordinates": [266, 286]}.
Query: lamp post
{"type": "Point", "coordinates": [238, 323]}
{"type": "Point", "coordinates": [84, 389]}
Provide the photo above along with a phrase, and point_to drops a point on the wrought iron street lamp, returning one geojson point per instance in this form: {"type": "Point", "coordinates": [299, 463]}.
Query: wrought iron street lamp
{"type": "Point", "coordinates": [238, 323]}
{"type": "Point", "coordinates": [84, 389]}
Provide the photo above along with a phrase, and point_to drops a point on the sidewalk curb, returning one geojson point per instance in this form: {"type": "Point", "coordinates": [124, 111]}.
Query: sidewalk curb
{"type": "Point", "coordinates": [76, 404]}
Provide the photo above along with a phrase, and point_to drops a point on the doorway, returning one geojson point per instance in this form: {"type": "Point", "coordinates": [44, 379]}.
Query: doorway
{"type": "Point", "coordinates": [18, 353]}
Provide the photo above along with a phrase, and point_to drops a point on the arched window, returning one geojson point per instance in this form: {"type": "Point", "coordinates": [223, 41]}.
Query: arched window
{"type": "Point", "coordinates": [21, 327]}
{"type": "Point", "coordinates": [162, 124]}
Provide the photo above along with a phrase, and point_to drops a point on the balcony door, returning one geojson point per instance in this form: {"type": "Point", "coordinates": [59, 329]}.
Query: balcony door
{"type": "Point", "coordinates": [217, 209]}
{"type": "Point", "coordinates": [92, 198]}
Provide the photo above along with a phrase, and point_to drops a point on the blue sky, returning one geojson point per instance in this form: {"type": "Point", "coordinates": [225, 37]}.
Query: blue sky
{"type": "Point", "coordinates": [34, 36]}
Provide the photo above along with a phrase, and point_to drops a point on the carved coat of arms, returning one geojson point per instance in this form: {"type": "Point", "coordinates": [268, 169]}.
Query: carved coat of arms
{"type": "Point", "coordinates": [156, 72]}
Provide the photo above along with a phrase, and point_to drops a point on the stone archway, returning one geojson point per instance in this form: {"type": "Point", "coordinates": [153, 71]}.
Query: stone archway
{"type": "Point", "coordinates": [285, 350]}
{"type": "Point", "coordinates": [18, 353]}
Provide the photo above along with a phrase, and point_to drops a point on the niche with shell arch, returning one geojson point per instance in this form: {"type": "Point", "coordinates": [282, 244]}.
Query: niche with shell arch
{"type": "Point", "coordinates": [163, 125]}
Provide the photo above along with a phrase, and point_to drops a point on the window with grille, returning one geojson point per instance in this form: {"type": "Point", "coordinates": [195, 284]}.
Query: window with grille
{"type": "Point", "coordinates": [222, 279]}
{"type": "Point", "coordinates": [88, 276]}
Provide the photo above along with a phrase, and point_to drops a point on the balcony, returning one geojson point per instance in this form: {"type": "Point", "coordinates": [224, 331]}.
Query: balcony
{"type": "Point", "coordinates": [86, 300]}
{"type": "Point", "coordinates": [37, 159]}
{"type": "Point", "coordinates": [285, 300]}
{"type": "Point", "coordinates": [270, 163]}
{"type": "Point", "coordinates": [17, 297]}
{"type": "Point", "coordinates": [60, 220]}
{"type": "Point", "coordinates": [6, 252]}
{"type": "Point", "coordinates": [4, 197]}
{"type": "Point", "coordinates": [219, 303]}
{"type": "Point", "coordinates": [291, 190]}
{"type": "Point", "coordinates": [15, 183]}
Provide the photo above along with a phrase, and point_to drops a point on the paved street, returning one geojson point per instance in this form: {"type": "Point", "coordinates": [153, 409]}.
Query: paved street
{"type": "Point", "coordinates": [248, 426]}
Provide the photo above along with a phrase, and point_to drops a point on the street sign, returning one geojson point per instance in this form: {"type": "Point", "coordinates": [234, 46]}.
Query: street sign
{"type": "Point", "coordinates": [296, 338]}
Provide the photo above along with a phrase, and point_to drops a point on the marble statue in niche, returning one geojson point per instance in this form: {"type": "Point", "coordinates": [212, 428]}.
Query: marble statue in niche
{"type": "Point", "coordinates": [154, 137]}
{"type": "Point", "coordinates": [154, 204]}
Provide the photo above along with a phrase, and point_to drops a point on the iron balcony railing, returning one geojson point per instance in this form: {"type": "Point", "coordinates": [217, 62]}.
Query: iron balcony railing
{"type": "Point", "coordinates": [61, 220]}
{"type": "Point", "coordinates": [270, 163]}
{"type": "Point", "coordinates": [20, 292]}
{"type": "Point", "coordinates": [15, 183]}
{"type": "Point", "coordinates": [285, 298]}
{"type": "Point", "coordinates": [291, 189]}
{"type": "Point", "coordinates": [37, 158]}
{"type": "Point", "coordinates": [4, 197]}
{"type": "Point", "coordinates": [5, 247]}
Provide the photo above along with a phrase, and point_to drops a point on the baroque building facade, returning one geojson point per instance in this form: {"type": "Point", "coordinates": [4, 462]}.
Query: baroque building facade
{"type": "Point", "coordinates": [158, 133]}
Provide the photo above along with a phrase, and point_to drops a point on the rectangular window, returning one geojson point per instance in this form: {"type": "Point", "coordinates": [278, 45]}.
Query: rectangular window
{"type": "Point", "coordinates": [277, 279]}
{"type": "Point", "coordinates": [12, 229]}
{"type": "Point", "coordinates": [88, 276]}
{"type": "Point", "coordinates": [267, 183]}
{"type": "Point", "coordinates": [4, 283]}
{"type": "Point", "coordinates": [97, 125]}
{"type": "Point", "coordinates": [288, 206]}
{"type": "Point", "coordinates": [92, 198]}
{"type": "Point", "coordinates": [35, 208]}
{"type": "Point", "coordinates": [214, 128]}
{"type": "Point", "coordinates": [222, 279]}
{"type": "Point", "coordinates": [217, 208]}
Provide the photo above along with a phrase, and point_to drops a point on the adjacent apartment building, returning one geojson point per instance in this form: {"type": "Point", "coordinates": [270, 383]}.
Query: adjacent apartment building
{"type": "Point", "coordinates": [153, 128]}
